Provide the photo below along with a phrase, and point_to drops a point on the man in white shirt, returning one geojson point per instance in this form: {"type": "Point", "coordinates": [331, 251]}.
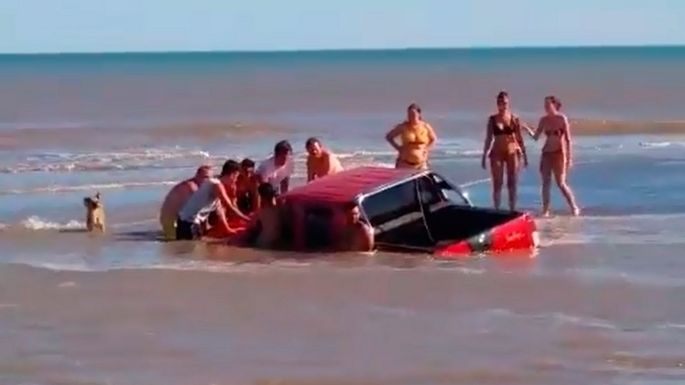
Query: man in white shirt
{"type": "Point", "coordinates": [278, 169]}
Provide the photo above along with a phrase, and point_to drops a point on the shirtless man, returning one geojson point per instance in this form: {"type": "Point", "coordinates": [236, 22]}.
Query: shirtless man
{"type": "Point", "coordinates": [320, 161]}
{"type": "Point", "coordinates": [358, 235]}
{"type": "Point", "coordinates": [177, 197]}
{"type": "Point", "coordinates": [265, 227]}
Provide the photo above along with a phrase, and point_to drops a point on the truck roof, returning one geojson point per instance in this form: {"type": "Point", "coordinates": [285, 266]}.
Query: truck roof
{"type": "Point", "coordinates": [347, 185]}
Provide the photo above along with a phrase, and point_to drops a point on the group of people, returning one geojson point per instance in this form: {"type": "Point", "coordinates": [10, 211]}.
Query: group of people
{"type": "Point", "coordinates": [241, 200]}
{"type": "Point", "coordinates": [504, 147]}
{"type": "Point", "coordinates": [240, 203]}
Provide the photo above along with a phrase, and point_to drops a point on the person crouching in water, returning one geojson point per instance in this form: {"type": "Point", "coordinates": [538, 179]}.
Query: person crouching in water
{"type": "Point", "coordinates": [210, 197]}
{"type": "Point", "coordinates": [246, 187]}
{"type": "Point", "coordinates": [357, 234]}
{"type": "Point", "coordinates": [177, 197]}
{"type": "Point", "coordinates": [264, 230]}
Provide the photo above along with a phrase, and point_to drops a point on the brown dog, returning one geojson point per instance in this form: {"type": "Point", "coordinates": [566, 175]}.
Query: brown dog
{"type": "Point", "coordinates": [95, 213]}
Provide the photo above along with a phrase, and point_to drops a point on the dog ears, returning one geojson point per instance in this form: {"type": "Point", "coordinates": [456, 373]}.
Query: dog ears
{"type": "Point", "coordinates": [97, 195]}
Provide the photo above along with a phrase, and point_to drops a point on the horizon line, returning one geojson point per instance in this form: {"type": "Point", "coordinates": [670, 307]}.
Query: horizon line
{"type": "Point", "coordinates": [360, 49]}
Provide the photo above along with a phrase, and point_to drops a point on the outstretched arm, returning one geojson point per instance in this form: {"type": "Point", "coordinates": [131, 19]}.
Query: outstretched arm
{"type": "Point", "coordinates": [529, 130]}
{"type": "Point", "coordinates": [227, 202]}
{"type": "Point", "coordinates": [538, 131]}
{"type": "Point", "coordinates": [368, 241]}
{"type": "Point", "coordinates": [310, 170]}
{"type": "Point", "coordinates": [522, 144]}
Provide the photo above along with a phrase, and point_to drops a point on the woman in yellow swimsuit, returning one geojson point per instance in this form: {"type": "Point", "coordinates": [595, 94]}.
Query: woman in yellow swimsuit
{"type": "Point", "coordinates": [505, 147]}
{"type": "Point", "coordinates": [416, 140]}
{"type": "Point", "coordinates": [556, 156]}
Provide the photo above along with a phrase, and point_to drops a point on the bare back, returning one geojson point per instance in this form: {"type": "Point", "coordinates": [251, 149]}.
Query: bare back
{"type": "Point", "coordinates": [270, 227]}
{"type": "Point", "coordinates": [326, 164]}
{"type": "Point", "coordinates": [176, 198]}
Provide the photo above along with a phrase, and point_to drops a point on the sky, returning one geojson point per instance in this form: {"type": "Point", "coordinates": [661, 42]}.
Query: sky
{"type": "Point", "coordinates": [32, 26]}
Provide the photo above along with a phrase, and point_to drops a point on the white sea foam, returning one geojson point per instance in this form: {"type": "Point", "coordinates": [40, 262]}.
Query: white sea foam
{"type": "Point", "coordinates": [104, 161]}
{"type": "Point", "coordinates": [87, 187]}
{"type": "Point", "coordinates": [37, 223]}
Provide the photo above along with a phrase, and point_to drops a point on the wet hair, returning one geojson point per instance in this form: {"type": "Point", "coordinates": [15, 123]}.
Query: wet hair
{"type": "Point", "coordinates": [502, 95]}
{"type": "Point", "coordinates": [555, 101]}
{"type": "Point", "coordinates": [282, 148]}
{"type": "Point", "coordinates": [266, 191]}
{"type": "Point", "coordinates": [415, 107]}
{"type": "Point", "coordinates": [350, 206]}
{"type": "Point", "coordinates": [312, 141]}
{"type": "Point", "coordinates": [247, 163]}
{"type": "Point", "coordinates": [230, 167]}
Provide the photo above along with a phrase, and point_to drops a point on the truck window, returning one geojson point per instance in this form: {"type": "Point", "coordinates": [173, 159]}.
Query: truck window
{"type": "Point", "coordinates": [429, 191]}
{"type": "Point", "coordinates": [318, 223]}
{"type": "Point", "coordinates": [391, 203]}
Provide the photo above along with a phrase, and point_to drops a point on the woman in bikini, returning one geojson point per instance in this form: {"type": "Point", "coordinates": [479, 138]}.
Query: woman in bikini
{"type": "Point", "coordinates": [505, 147]}
{"type": "Point", "coordinates": [416, 140]}
{"type": "Point", "coordinates": [557, 157]}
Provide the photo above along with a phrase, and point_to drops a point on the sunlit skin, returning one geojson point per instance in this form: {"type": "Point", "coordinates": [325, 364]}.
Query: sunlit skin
{"type": "Point", "coordinates": [177, 197]}
{"type": "Point", "coordinates": [358, 235]}
{"type": "Point", "coordinates": [506, 150]}
{"type": "Point", "coordinates": [417, 138]}
{"type": "Point", "coordinates": [557, 154]}
{"type": "Point", "coordinates": [320, 161]}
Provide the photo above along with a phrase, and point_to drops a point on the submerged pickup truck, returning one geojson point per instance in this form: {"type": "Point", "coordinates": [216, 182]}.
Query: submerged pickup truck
{"type": "Point", "coordinates": [410, 211]}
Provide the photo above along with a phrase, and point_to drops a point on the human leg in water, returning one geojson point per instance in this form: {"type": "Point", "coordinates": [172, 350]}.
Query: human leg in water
{"type": "Point", "coordinates": [546, 175]}
{"type": "Point", "coordinates": [497, 172]}
{"type": "Point", "coordinates": [512, 166]}
{"type": "Point", "coordinates": [560, 169]}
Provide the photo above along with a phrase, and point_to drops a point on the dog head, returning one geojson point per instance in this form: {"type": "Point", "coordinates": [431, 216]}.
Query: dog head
{"type": "Point", "coordinates": [92, 203]}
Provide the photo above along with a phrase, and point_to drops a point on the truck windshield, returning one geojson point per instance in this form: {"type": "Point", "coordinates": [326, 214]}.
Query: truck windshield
{"type": "Point", "coordinates": [391, 203]}
{"type": "Point", "coordinates": [402, 199]}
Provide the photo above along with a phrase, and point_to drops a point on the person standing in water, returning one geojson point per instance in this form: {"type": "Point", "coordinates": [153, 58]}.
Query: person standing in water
{"type": "Point", "coordinates": [177, 197]}
{"type": "Point", "coordinates": [320, 161]}
{"type": "Point", "coordinates": [417, 138]}
{"type": "Point", "coordinates": [557, 155]}
{"type": "Point", "coordinates": [504, 145]}
{"type": "Point", "coordinates": [278, 169]}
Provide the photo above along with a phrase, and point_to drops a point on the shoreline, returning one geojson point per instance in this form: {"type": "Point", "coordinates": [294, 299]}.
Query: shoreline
{"type": "Point", "coordinates": [597, 127]}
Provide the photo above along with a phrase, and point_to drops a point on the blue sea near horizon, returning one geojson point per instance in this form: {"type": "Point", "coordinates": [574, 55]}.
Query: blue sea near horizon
{"type": "Point", "coordinates": [597, 304]}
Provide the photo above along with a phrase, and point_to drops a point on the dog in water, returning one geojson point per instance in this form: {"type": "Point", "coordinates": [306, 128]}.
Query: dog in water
{"type": "Point", "coordinates": [95, 213]}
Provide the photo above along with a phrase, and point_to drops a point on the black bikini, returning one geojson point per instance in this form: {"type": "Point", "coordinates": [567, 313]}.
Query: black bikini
{"type": "Point", "coordinates": [504, 130]}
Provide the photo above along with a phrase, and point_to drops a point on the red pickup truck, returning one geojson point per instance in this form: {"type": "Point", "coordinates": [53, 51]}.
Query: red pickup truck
{"type": "Point", "coordinates": [410, 210]}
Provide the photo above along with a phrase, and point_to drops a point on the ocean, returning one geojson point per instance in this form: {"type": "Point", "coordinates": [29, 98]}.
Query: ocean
{"type": "Point", "coordinates": [599, 303]}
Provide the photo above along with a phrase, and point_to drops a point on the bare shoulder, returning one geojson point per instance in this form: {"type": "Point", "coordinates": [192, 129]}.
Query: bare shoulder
{"type": "Point", "coordinates": [367, 228]}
